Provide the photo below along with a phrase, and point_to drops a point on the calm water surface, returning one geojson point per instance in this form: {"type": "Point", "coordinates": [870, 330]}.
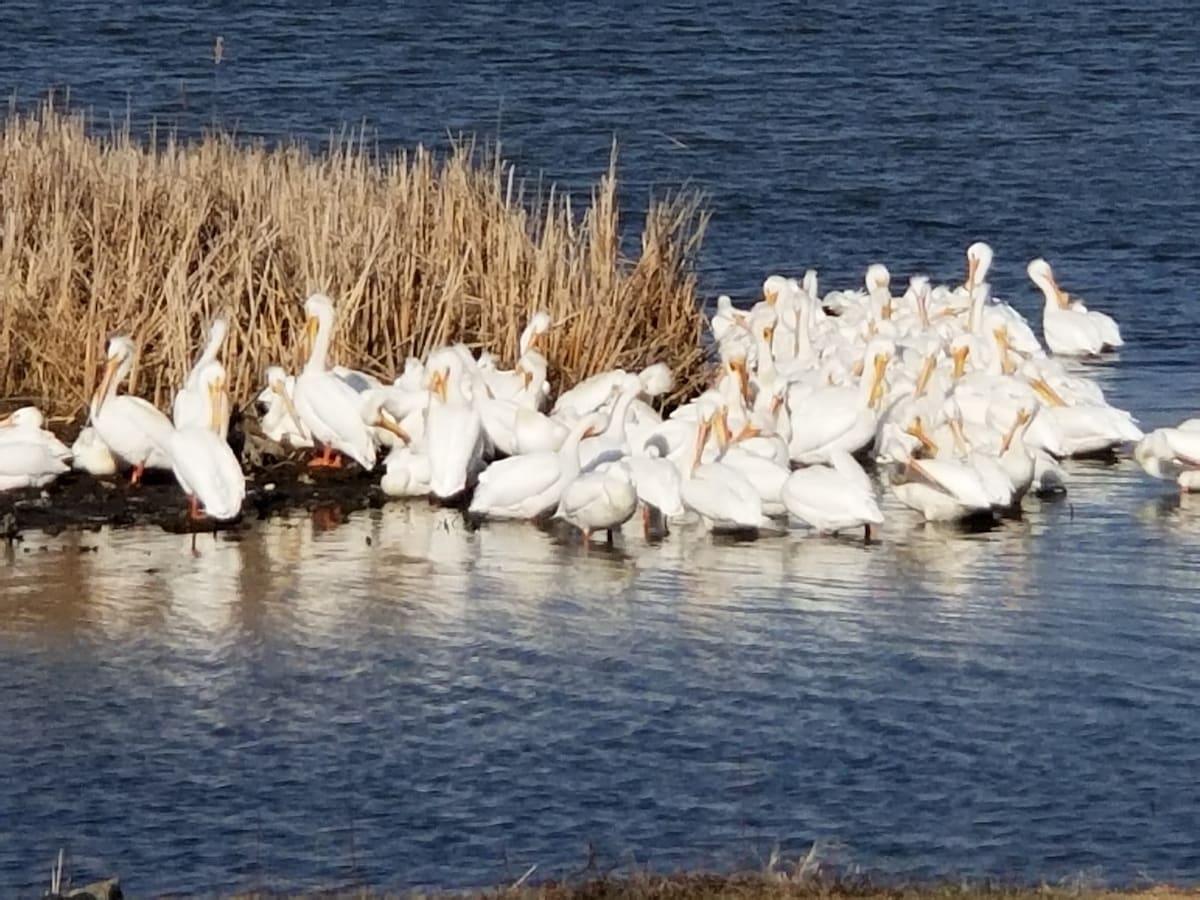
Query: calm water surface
{"type": "Point", "coordinates": [442, 707]}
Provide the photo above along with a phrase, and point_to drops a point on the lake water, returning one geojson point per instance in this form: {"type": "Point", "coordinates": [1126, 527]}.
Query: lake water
{"type": "Point", "coordinates": [437, 707]}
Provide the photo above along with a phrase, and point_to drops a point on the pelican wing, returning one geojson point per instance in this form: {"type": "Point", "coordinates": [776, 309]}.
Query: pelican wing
{"type": "Point", "coordinates": [1185, 445]}
{"type": "Point", "coordinates": [510, 482]}
{"type": "Point", "coordinates": [329, 409]}
{"type": "Point", "coordinates": [820, 494]}
{"type": "Point", "coordinates": [206, 468]}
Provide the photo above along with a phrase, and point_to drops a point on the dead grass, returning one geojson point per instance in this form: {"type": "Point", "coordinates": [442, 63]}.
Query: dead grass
{"type": "Point", "coordinates": [99, 234]}
{"type": "Point", "coordinates": [758, 886]}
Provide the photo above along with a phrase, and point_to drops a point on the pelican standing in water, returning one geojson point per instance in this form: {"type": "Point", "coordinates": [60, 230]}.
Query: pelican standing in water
{"type": "Point", "coordinates": [203, 463]}
{"type": "Point", "coordinates": [833, 497]}
{"type": "Point", "coordinates": [1069, 327]}
{"type": "Point", "coordinates": [134, 430]}
{"type": "Point", "coordinates": [1172, 454]}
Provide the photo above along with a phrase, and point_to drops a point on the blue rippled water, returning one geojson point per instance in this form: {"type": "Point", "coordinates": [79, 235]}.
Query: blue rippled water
{"type": "Point", "coordinates": [443, 708]}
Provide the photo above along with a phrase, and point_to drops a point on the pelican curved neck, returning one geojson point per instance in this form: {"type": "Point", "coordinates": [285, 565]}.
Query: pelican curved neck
{"type": "Point", "coordinates": [765, 367]}
{"type": "Point", "coordinates": [568, 453]}
{"type": "Point", "coordinates": [620, 412]}
{"type": "Point", "coordinates": [979, 298]}
{"type": "Point", "coordinates": [108, 388]}
{"type": "Point", "coordinates": [318, 359]}
{"type": "Point", "coordinates": [216, 337]}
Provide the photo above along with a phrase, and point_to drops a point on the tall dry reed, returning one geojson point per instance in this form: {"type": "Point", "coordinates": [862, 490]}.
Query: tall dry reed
{"type": "Point", "coordinates": [103, 234]}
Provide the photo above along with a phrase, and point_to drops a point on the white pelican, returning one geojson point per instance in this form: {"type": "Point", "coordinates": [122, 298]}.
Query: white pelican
{"type": "Point", "coordinates": [600, 500]}
{"type": "Point", "coordinates": [614, 442]}
{"type": "Point", "coordinates": [190, 403]}
{"type": "Point", "coordinates": [27, 426]}
{"type": "Point", "coordinates": [406, 473]}
{"type": "Point", "coordinates": [1084, 428]}
{"type": "Point", "coordinates": [656, 480]}
{"type": "Point", "coordinates": [587, 396]}
{"type": "Point", "coordinates": [942, 490]}
{"type": "Point", "coordinates": [528, 486]}
{"type": "Point", "coordinates": [453, 429]}
{"type": "Point", "coordinates": [831, 498]}
{"type": "Point", "coordinates": [90, 454]}
{"type": "Point", "coordinates": [28, 464]}
{"type": "Point", "coordinates": [1172, 454]}
{"type": "Point", "coordinates": [527, 381]}
{"type": "Point", "coordinates": [1069, 327]}
{"type": "Point", "coordinates": [729, 324]}
{"type": "Point", "coordinates": [135, 431]}
{"type": "Point", "coordinates": [839, 418]}
{"type": "Point", "coordinates": [764, 472]}
{"type": "Point", "coordinates": [326, 404]}
{"type": "Point", "coordinates": [1018, 461]}
{"type": "Point", "coordinates": [280, 421]}
{"type": "Point", "coordinates": [203, 463]}
{"type": "Point", "coordinates": [721, 496]}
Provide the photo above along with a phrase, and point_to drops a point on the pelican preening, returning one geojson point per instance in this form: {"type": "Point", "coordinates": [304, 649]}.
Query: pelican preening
{"type": "Point", "coordinates": [945, 387]}
{"type": "Point", "coordinates": [203, 463]}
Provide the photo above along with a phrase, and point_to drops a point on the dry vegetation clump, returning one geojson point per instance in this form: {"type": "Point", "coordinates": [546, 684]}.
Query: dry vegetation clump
{"type": "Point", "coordinates": [106, 234]}
{"type": "Point", "coordinates": [758, 886]}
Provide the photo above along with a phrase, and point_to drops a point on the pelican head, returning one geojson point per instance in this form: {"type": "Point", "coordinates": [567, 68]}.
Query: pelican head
{"type": "Point", "coordinates": [1042, 275]}
{"type": "Point", "coordinates": [445, 370]}
{"type": "Point", "coordinates": [119, 357]}
{"type": "Point", "coordinates": [765, 320]}
{"type": "Point", "coordinates": [960, 350]}
{"type": "Point", "coordinates": [878, 277]}
{"type": "Point", "coordinates": [979, 261]}
{"type": "Point", "coordinates": [916, 428]}
{"type": "Point", "coordinates": [594, 423]}
{"type": "Point", "coordinates": [809, 283]}
{"type": "Point", "coordinates": [539, 324]}
{"type": "Point", "coordinates": [735, 363]}
{"type": "Point", "coordinates": [26, 417]}
{"type": "Point", "coordinates": [656, 379]}
{"type": "Point", "coordinates": [319, 309]}
{"type": "Point", "coordinates": [376, 416]}
{"type": "Point", "coordinates": [276, 378]}
{"type": "Point", "coordinates": [772, 288]}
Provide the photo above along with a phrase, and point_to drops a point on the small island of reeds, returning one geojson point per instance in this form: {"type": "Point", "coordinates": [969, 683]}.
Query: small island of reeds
{"type": "Point", "coordinates": [152, 235]}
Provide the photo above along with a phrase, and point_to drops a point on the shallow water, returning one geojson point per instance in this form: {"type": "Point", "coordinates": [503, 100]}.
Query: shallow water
{"type": "Point", "coordinates": [401, 701]}
{"type": "Point", "coordinates": [443, 707]}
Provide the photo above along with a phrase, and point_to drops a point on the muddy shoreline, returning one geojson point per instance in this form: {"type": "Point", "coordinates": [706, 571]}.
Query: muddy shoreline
{"type": "Point", "coordinates": [80, 501]}
{"type": "Point", "coordinates": [278, 483]}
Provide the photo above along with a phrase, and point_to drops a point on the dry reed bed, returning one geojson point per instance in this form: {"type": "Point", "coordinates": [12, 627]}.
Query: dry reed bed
{"type": "Point", "coordinates": [101, 234]}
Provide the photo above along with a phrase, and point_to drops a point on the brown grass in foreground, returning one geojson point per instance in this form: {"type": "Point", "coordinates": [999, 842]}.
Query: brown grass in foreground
{"type": "Point", "coordinates": [765, 887]}
{"type": "Point", "coordinates": [100, 235]}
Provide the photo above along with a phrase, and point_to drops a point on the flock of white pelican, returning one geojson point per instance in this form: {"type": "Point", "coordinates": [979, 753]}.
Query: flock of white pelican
{"type": "Point", "coordinates": [944, 387]}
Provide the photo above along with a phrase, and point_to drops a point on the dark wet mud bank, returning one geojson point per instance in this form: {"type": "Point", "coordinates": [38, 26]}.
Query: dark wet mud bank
{"type": "Point", "coordinates": [80, 501]}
